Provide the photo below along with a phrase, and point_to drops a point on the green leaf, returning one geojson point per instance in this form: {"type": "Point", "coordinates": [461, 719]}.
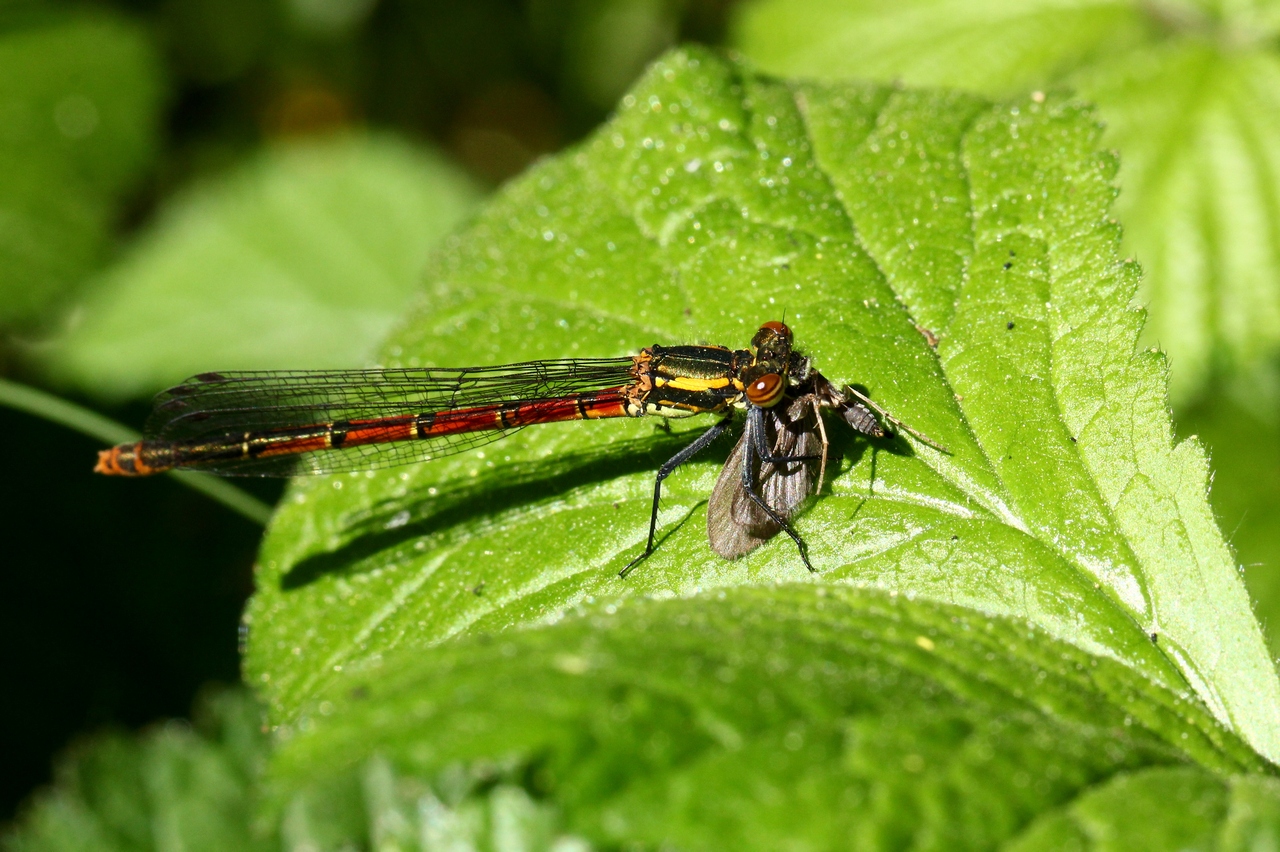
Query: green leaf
{"type": "Point", "coordinates": [1166, 808]}
{"type": "Point", "coordinates": [377, 807]}
{"type": "Point", "coordinates": [79, 110]}
{"type": "Point", "coordinates": [801, 716]}
{"type": "Point", "coordinates": [715, 200]}
{"type": "Point", "coordinates": [1191, 98]}
{"type": "Point", "coordinates": [303, 258]}
{"type": "Point", "coordinates": [1245, 452]}
{"type": "Point", "coordinates": [171, 788]}
{"type": "Point", "coordinates": [198, 788]}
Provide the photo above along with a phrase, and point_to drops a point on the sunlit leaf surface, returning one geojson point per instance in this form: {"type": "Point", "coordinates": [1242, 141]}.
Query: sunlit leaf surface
{"type": "Point", "coordinates": [1061, 550]}
{"type": "Point", "coordinates": [1245, 454]}
{"type": "Point", "coordinates": [1190, 93]}
{"type": "Point", "coordinates": [830, 717]}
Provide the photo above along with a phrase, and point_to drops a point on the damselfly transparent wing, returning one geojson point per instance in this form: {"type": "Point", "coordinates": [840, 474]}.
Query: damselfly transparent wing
{"type": "Point", "coordinates": [219, 406]}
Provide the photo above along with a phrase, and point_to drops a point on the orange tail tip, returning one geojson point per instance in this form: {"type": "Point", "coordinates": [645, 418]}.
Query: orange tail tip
{"type": "Point", "coordinates": [124, 460]}
{"type": "Point", "coordinates": [109, 463]}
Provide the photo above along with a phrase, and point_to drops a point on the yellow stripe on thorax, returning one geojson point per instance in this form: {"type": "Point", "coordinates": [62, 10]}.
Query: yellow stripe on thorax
{"type": "Point", "coordinates": [686, 383]}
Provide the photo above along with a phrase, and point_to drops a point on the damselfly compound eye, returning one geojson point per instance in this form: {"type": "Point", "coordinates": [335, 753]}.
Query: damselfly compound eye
{"type": "Point", "coordinates": [766, 391]}
{"type": "Point", "coordinates": [772, 335]}
{"type": "Point", "coordinates": [778, 328]}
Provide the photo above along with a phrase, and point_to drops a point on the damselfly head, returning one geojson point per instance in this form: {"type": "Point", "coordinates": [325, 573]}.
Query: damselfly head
{"type": "Point", "coordinates": [773, 336]}
{"type": "Point", "coordinates": [771, 350]}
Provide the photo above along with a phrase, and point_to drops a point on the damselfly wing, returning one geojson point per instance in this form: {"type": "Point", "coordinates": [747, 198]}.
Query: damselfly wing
{"type": "Point", "coordinates": [286, 423]}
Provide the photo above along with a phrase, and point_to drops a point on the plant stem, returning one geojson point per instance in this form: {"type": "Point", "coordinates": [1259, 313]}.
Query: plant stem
{"type": "Point", "coordinates": [82, 420]}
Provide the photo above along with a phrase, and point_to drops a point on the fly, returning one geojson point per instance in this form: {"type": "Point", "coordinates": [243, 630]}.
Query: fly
{"type": "Point", "coordinates": [303, 422]}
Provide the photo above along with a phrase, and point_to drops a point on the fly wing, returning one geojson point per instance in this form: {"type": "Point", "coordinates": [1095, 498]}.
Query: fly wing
{"type": "Point", "coordinates": [736, 525]}
{"type": "Point", "coordinates": [730, 537]}
{"type": "Point", "coordinates": [784, 485]}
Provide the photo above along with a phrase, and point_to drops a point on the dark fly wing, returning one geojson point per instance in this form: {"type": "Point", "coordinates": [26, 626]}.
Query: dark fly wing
{"type": "Point", "coordinates": [213, 405]}
{"type": "Point", "coordinates": [728, 537]}
{"type": "Point", "coordinates": [792, 431]}
{"type": "Point", "coordinates": [736, 525]}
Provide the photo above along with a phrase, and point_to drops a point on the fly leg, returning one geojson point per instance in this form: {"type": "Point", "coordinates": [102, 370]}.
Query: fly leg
{"type": "Point", "coordinates": [757, 448]}
{"type": "Point", "coordinates": [704, 440]}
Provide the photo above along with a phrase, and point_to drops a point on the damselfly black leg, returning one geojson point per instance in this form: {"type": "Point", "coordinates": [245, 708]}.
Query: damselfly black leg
{"type": "Point", "coordinates": [758, 448]}
{"type": "Point", "coordinates": [760, 443]}
{"type": "Point", "coordinates": [704, 440]}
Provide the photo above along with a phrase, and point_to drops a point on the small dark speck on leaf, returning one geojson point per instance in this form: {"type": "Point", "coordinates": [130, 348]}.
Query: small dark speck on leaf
{"type": "Point", "coordinates": [688, 312]}
{"type": "Point", "coordinates": [1009, 325]}
{"type": "Point", "coordinates": [1155, 637]}
{"type": "Point", "coordinates": [478, 589]}
{"type": "Point", "coordinates": [955, 538]}
{"type": "Point", "coordinates": [360, 693]}
{"type": "Point", "coordinates": [1012, 253]}
{"type": "Point", "coordinates": [1008, 264]}
{"type": "Point", "coordinates": [1073, 439]}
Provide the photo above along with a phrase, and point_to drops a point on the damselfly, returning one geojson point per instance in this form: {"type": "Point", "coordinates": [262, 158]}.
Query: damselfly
{"type": "Point", "coordinates": [286, 423]}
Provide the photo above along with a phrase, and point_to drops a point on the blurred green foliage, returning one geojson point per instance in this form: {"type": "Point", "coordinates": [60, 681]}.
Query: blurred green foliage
{"type": "Point", "coordinates": [80, 98]}
{"type": "Point", "coordinates": [177, 786]}
{"type": "Point", "coordinates": [187, 184]}
{"type": "Point", "coordinates": [303, 258]}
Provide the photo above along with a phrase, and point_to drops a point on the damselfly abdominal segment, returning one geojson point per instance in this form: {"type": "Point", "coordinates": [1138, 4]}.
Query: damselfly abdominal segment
{"type": "Point", "coordinates": [285, 423]}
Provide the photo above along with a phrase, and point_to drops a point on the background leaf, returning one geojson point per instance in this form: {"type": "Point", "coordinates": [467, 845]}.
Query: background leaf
{"type": "Point", "coordinates": [715, 200]}
{"type": "Point", "coordinates": [1191, 96]}
{"type": "Point", "coordinates": [79, 109]}
{"type": "Point", "coordinates": [172, 788]}
{"type": "Point", "coordinates": [1246, 494]}
{"type": "Point", "coordinates": [1165, 808]}
{"type": "Point", "coordinates": [302, 259]}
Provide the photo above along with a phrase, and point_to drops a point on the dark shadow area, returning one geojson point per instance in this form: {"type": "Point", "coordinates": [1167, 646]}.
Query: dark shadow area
{"type": "Point", "coordinates": [121, 598]}
{"type": "Point", "coordinates": [375, 531]}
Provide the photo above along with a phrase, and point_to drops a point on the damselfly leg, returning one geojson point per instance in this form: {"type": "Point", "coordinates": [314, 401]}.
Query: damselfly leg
{"type": "Point", "coordinates": [703, 441]}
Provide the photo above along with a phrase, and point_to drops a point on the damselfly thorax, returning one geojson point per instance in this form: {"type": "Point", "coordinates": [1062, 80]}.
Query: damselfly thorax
{"type": "Point", "coordinates": [286, 423]}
